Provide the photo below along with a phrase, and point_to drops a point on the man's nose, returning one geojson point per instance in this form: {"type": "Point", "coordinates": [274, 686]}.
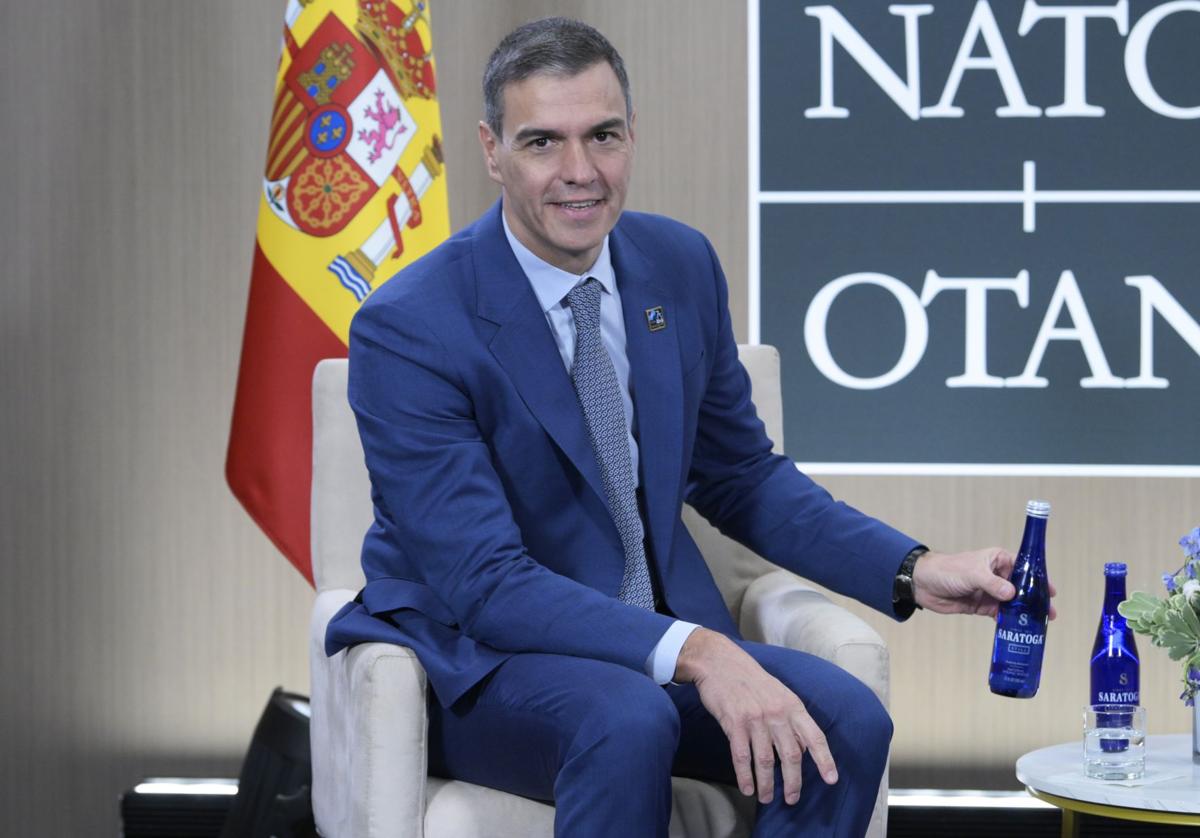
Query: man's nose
{"type": "Point", "coordinates": [577, 166]}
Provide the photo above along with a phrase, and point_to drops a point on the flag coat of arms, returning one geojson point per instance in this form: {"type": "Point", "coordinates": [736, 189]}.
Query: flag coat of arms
{"type": "Point", "coordinates": [353, 190]}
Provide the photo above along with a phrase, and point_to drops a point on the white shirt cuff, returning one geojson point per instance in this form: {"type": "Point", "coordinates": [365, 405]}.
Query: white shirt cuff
{"type": "Point", "coordinates": [664, 657]}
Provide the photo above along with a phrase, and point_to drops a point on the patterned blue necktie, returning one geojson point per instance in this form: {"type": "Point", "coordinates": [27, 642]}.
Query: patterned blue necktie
{"type": "Point", "coordinates": [599, 394]}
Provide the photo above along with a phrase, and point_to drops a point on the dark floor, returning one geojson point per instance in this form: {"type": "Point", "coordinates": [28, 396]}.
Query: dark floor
{"type": "Point", "coordinates": [202, 816]}
{"type": "Point", "coordinates": [1026, 823]}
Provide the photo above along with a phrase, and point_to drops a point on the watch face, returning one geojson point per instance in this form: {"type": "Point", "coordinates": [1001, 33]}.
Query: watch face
{"type": "Point", "coordinates": [904, 601]}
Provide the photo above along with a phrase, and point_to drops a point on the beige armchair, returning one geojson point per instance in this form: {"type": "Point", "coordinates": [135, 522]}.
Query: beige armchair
{"type": "Point", "coordinates": [370, 776]}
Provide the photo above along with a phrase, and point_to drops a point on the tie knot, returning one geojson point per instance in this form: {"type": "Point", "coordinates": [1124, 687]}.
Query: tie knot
{"type": "Point", "coordinates": [584, 298]}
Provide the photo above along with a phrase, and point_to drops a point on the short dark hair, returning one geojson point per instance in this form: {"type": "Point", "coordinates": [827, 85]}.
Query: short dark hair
{"type": "Point", "coordinates": [556, 45]}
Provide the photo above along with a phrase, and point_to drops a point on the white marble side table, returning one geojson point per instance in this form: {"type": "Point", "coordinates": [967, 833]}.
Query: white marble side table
{"type": "Point", "coordinates": [1169, 793]}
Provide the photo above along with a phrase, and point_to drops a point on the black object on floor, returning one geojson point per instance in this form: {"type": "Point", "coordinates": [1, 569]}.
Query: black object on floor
{"type": "Point", "coordinates": [173, 815]}
{"type": "Point", "coordinates": [273, 787]}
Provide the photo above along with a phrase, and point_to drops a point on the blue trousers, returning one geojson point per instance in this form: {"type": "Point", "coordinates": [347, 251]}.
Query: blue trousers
{"type": "Point", "coordinates": [601, 742]}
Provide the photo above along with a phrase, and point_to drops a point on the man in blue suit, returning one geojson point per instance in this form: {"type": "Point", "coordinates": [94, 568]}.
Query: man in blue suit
{"type": "Point", "coordinates": [537, 398]}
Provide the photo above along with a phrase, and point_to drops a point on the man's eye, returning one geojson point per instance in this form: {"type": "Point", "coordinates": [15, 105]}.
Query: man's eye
{"type": "Point", "coordinates": [541, 142]}
{"type": "Point", "coordinates": [603, 136]}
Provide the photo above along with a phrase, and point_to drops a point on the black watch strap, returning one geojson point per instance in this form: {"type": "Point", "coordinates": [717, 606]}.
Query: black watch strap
{"type": "Point", "coordinates": [904, 594]}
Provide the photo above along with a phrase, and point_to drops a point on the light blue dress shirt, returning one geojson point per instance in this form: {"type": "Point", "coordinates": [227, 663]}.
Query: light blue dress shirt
{"type": "Point", "coordinates": [551, 286]}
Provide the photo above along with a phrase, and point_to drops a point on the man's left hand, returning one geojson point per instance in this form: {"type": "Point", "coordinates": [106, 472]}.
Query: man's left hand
{"type": "Point", "coordinates": [966, 583]}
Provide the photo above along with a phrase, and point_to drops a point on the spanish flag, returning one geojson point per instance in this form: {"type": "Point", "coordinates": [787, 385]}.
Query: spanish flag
{"type": "Point", "coordinates": [353, 191]}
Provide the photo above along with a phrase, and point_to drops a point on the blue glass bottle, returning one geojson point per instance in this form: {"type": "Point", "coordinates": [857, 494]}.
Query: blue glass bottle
{"type": "Point", "coordinates": [1114, 655]}
{"type": "Point", "coordinates": [1021, 622]}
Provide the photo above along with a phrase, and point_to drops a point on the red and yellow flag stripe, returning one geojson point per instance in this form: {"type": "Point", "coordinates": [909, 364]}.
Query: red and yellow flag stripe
{"type": "Point", "coordinates": [353, 190]}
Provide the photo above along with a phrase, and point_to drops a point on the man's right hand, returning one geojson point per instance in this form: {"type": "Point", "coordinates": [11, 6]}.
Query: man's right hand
{"type": "Point", "coordinates": [760, 716]}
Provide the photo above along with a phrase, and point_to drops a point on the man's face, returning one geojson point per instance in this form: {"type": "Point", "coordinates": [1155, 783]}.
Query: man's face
{"type": "Point", "coordinates": [563, 161]}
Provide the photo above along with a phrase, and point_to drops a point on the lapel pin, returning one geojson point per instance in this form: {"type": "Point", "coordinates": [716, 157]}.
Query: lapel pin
{"type": "Point", "coordinates": [655, 319]}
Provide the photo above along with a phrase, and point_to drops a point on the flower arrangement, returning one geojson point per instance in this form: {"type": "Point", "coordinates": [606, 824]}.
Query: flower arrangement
{"type": "Point", "coordinates": [1174, 621]}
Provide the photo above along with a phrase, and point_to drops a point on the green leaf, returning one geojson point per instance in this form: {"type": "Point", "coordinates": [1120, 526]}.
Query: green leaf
{"type": "Point", "coordinates": [1179, 644]}
{"type": "Point", "coordinates": [1146, 614]}
{"type": "Point", "coordinates": [1140, 606]}
{"type": "Point", "coordinates": [1190, 617]}
{"type": "Point", "coordinates": [1177, 651]}
{"type": "Point", "coordinates": [1143, 609]}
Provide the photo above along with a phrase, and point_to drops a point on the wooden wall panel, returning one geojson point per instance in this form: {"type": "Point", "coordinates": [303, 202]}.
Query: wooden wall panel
{"type": "Point", "coordinates": [687, 67]}
{"type": "Point", "coordinates": [145, 618]}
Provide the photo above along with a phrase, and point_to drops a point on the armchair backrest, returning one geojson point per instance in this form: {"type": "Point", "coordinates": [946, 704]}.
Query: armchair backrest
{"type": "Point", "coordinates": [341, 489]}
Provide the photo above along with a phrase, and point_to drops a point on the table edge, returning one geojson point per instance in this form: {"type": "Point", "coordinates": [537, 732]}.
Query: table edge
{"type": "Point", "coordinates": [1124, 813]}
{"type": "Point", "coordinates": [1064, 792]}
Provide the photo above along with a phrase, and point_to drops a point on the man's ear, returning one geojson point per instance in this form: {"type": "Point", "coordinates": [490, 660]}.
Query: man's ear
{"type": "Point", "coordinates": [490, 143]}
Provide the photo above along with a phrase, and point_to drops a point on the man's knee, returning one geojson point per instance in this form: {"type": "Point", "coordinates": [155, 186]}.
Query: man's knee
{"type": "Point", "coordinates": [862, 728]}
{"type": "Point", "coordinates": [866, 714]}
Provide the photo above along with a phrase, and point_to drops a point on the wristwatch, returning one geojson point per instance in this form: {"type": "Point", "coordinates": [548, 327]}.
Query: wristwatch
{"type": "Point", "coordinates": [904, 594]}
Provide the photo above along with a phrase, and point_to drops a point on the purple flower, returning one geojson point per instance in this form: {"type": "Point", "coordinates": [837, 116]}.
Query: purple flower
{"type": "Point", "coordinates": [1191, 543]}
{"type": "Point", "coordinates": [1190, 568]}
{"type": "Point", "coordinates": [1194, 675]}
{"type": "Point", "coordinates": [1169, 583]}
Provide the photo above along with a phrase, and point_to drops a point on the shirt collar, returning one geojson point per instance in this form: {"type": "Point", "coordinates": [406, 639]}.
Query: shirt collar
{"type": "Point", "coordinates": [551, 284]}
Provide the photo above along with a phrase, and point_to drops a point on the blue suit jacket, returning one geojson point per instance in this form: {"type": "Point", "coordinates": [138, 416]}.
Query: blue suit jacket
{"type": "Point", "coordinates": [491, 532]}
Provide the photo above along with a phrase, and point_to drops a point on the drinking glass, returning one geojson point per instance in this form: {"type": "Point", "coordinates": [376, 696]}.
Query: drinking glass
{"type": "Point", "coordinates": [1114, 741]}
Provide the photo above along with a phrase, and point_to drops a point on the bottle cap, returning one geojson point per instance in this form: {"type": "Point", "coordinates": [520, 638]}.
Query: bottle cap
{"type": "Point", "coordinates": [1114, 568]}
{"type": "Point", "coordinates": [1038, 508]}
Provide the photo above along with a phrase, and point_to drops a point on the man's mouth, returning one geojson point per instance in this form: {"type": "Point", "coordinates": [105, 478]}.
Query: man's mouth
{"type": "Point", "coordinates": [578, 205]}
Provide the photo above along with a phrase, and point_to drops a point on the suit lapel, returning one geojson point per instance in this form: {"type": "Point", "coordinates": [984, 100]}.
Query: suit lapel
{"type": "Point", "coordinates": [524, 345]}
{"type": "Point", "coordinates": [656, 380]}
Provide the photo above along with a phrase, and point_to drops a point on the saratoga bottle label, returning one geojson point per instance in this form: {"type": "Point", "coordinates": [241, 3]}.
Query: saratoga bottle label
{"type": "Point", "coordinates": [1018, 637]}
{"type": "Point", "coordinates": [1017, 656]}
{"type": "Point", "coordinates": [1115, 681]}
{"type": "Point", "coordinates": [1109, 697]}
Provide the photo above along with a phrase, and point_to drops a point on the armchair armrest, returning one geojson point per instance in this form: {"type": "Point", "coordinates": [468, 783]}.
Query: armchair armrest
{"type": "Point", "coordinates": [368, 734]}
{"type": "Point", "coordinates": [781, 609]}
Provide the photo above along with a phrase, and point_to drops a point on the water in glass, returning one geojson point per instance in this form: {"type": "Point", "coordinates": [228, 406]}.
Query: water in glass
{"type": "Point", "coordinates": [1114, 742]}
